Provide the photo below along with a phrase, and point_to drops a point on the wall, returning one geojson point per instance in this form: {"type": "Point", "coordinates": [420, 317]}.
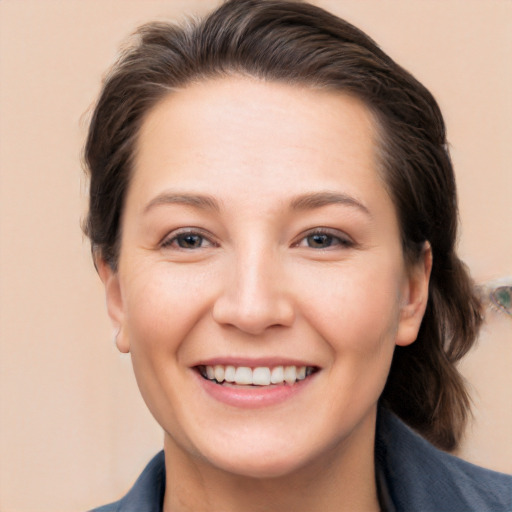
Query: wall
{"type": "Point", "coordinates": [74, 432]}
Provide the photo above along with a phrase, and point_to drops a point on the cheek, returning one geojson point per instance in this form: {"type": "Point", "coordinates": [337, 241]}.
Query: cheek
{"type": "Point", "coordinates": [356, 308]}
{"type": "Point", "coordinates": [162, 306]}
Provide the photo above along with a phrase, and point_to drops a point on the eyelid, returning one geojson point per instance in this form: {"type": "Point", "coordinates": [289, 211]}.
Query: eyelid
{"type": "Point", "coordinates": [171, 237]}
{"type": "Point", "coordinates": [344, 239]}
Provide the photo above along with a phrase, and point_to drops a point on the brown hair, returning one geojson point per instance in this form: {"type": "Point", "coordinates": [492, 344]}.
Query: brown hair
{"type": "Point", "coordinates": [299, 43]}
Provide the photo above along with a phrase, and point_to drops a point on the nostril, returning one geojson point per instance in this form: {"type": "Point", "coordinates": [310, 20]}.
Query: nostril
{"type": "Point", "coordinates": [254, 316]}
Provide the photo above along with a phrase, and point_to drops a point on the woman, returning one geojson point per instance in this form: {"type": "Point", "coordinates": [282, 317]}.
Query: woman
{"type": "Point", "coordinates": [273, 215]}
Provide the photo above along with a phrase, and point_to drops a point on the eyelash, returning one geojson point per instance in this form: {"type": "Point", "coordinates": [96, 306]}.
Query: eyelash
{"type": "Point", "coordinates": [181, 235]}
{"type": "Point", "coordinates": [335, 239]}
{"type": "Point", "coordinates": [332, 239]}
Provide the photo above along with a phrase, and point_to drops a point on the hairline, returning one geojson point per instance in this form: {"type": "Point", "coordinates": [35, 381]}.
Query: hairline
{"type": "Point", "coordinates": [375, 116]}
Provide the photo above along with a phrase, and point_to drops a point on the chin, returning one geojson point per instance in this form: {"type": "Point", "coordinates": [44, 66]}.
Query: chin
{"type": "Point", "coordinates": [260, 467]}
{"type": "Point", "coordinates": [278, 457]}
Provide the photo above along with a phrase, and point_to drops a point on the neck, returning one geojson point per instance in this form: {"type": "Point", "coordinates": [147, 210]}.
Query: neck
{"type": "Point", "coordinates": [341, 480]}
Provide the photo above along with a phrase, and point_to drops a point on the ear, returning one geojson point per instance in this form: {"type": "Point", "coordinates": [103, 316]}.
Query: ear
{"type": "Point", "coordinates": [414, 298]}
{"type": "Point", "coordinates": [114, 299]}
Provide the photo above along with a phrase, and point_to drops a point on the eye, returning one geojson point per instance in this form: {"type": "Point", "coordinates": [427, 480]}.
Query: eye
{"type": "Point", "coordinates": [188, 240]}
{"type": "Point", "coordinates": [325, 239]}
{"type": "Point", "coordinates": [319, 240]}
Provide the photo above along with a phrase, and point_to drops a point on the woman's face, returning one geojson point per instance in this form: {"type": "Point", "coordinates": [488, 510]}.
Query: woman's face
{"type": "Point", "coordinates": [259, 244]}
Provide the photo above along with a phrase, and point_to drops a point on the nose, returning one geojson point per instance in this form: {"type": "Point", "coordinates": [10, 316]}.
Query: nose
{"type": "Point", "coordinates": [254, 296]}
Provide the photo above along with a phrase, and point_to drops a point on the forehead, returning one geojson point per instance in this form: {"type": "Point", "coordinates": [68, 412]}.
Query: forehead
{"type": "Point", "coordinates": [256, 130]}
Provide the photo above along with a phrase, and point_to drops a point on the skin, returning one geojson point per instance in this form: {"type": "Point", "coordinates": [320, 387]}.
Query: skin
{"type": "Point", "coordinates": [257, 283]}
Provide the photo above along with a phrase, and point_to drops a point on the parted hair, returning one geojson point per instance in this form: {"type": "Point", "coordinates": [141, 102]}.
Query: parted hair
{"type": "Point", "coordinates": [298, 43]}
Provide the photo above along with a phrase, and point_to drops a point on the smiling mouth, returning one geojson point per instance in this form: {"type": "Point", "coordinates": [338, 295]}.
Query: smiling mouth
{"type": "Point", "coordinates": [260, 376]}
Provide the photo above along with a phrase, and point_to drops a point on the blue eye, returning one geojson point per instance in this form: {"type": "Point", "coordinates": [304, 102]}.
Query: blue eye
{"type": "Point", "coordinates": [319, 240]}
{"type": "Point", "coordinates": [325, 240]}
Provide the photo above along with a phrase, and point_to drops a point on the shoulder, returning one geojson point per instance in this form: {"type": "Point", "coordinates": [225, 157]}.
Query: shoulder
{"type": "Point", "coordinates": [146, 494]}
{"type": "Point", "coordinates": [421, 477]}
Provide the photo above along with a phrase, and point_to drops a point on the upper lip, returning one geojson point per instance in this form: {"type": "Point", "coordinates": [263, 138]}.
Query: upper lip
{"type": "Point", "coordinates": [252, 362]}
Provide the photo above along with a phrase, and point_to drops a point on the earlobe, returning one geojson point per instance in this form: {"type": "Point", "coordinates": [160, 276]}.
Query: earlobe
{"type": "Point", "coordinates": [415, 298]}
{"type": "Point", "coordinates": [114, 301]}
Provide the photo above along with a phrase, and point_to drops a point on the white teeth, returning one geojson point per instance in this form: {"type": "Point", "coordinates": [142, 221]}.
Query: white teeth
{"type": "Point", "coordinates": [229, 374]}
{"type": "Point", "coordinates": [277, 375]}
{"type": "Point", "coordinates": [290, 374]}
{"type": "Point", "coordinates": [243, 375]}
{"type": "Point", "coordinates": [219, 373]}
{"type": "Point", "coordinates": [260, 376]}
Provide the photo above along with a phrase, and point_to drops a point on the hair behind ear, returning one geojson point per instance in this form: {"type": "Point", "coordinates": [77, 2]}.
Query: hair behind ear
{"type": "Point", "coordinates": [416, 296]}
{"type": "Point", "coordinates": [424, 387]}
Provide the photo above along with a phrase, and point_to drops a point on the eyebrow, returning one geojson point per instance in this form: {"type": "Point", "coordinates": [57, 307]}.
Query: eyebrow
{"type": "Point", "coordinates": [320, 199]}
{"type": "Point", "coordinates": [308, 201]}
{"type": "Point", "coordinates": [200, 201]}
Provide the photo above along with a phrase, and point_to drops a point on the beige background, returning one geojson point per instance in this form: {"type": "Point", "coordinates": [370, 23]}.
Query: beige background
{"type": "Point", "coordinates": [74, 432]}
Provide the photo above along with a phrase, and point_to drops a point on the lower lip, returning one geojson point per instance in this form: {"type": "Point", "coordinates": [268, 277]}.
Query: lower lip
{"type": "Point", "coordinates": [251, 397]}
